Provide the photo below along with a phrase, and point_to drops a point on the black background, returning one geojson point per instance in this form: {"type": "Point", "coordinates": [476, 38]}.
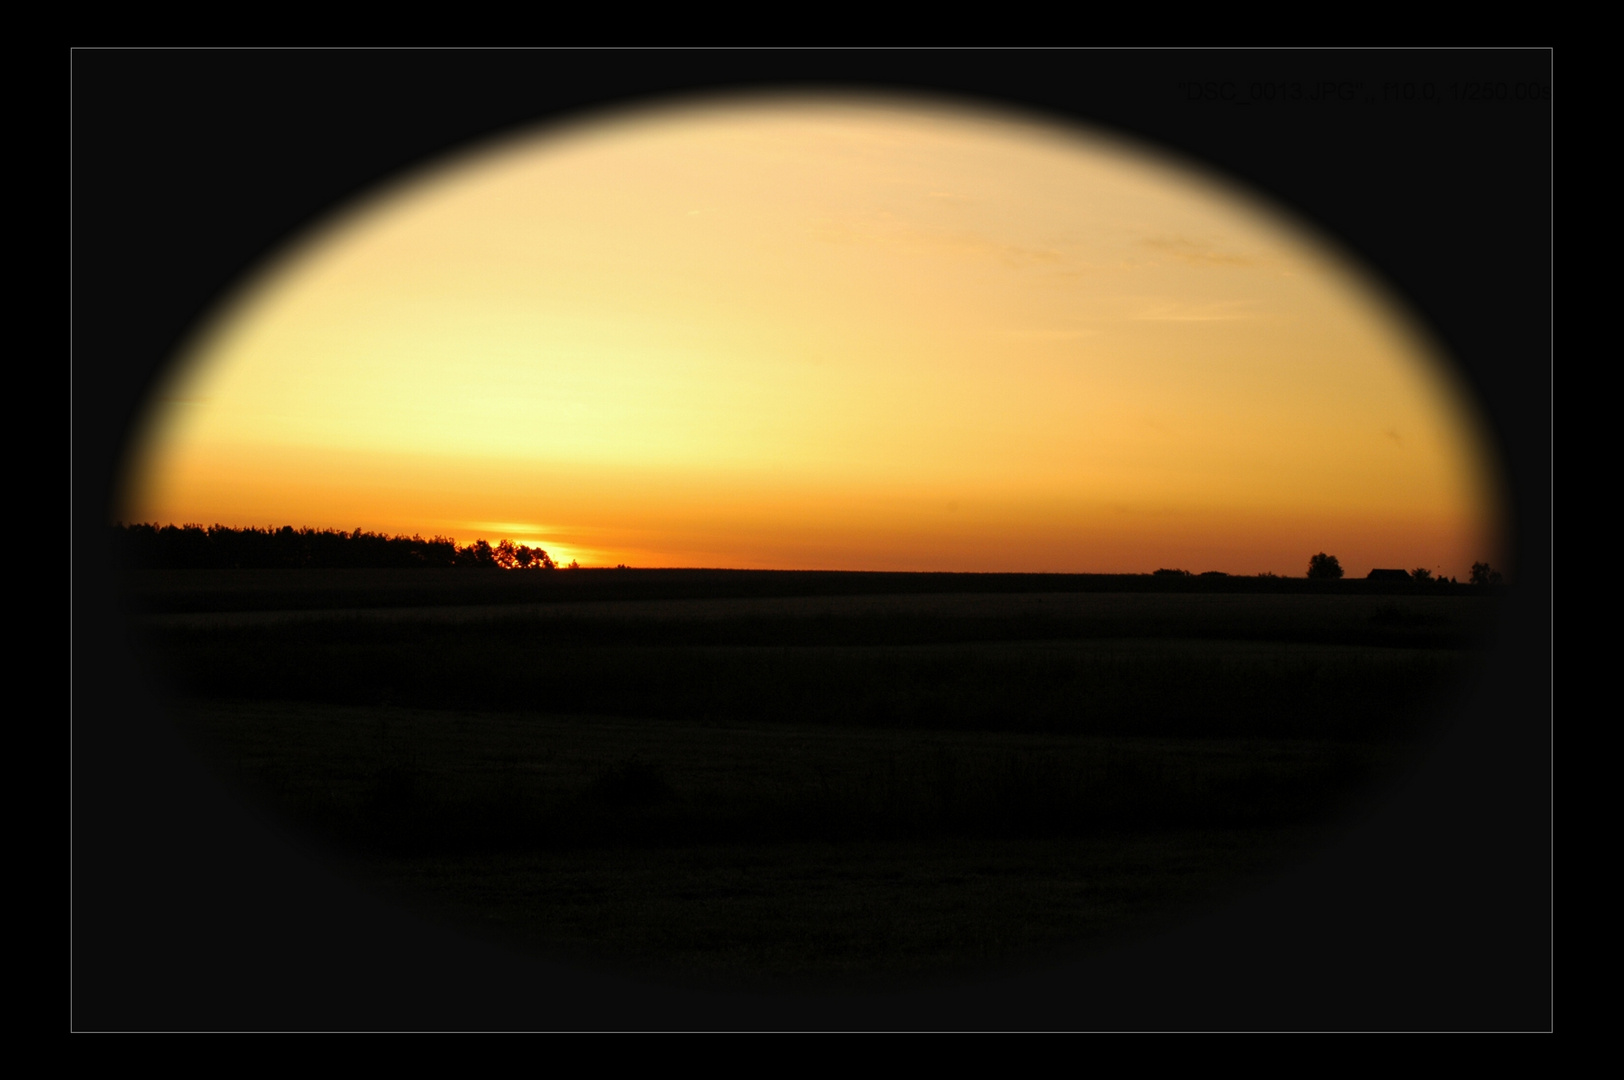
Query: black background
{"type": "Point", "coordinates": [189, 912]}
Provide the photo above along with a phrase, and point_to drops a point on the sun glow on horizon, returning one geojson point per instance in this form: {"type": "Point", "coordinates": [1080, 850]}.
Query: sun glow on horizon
{"type": "Point", "coordinates": [828, 333]}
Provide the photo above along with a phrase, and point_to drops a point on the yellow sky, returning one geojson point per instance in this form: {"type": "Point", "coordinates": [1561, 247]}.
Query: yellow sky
{"type": "Point", "coordinates": [844, 333]}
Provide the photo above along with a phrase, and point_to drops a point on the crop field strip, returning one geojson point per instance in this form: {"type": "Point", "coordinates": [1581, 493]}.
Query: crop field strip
{"type": "Point", "coordinates": [156, 591]}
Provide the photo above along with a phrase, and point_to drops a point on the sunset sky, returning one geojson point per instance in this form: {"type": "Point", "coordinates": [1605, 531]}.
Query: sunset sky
{"type": "Point", "coordinates": [828, 333]}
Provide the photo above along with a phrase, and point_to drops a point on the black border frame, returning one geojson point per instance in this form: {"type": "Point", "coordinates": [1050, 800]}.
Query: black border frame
{"type": "Point", "coordinates": [187, 912]}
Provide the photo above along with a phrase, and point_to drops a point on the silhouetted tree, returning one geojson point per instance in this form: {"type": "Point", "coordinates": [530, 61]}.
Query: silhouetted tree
{"type": "Point", "coordinates": [1421, 573]}
{"type": "Point", "coordinates": [1324, 567]}
{"type": "Point", "coordinates": [1484, 574]}
{"type": "Point", "coordinates": [479, 553]}
{"type": "Point", "coordinates": [511, 556]}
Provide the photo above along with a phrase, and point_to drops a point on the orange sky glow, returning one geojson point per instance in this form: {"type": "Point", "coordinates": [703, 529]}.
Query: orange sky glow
{"type": "Point", "coordinates": [828, 333]}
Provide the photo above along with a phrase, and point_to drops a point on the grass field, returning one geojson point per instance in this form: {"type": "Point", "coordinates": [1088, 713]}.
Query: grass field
{"type": "Point", "coordinates": [826, 787]}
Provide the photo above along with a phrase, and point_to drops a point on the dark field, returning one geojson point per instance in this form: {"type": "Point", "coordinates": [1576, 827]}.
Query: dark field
{"type": "Point", "coordinates": [784, 777]}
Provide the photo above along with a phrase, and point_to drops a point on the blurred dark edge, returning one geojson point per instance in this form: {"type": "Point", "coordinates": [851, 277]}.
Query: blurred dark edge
{"type": "Point", "coordinates": [188, 913]}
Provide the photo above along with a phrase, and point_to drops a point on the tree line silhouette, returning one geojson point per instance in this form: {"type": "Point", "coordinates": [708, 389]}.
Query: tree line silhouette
{"type": "Point", "coordinates": [194, 547]}
{"type": "Point", "coordinates": [1325, 567]}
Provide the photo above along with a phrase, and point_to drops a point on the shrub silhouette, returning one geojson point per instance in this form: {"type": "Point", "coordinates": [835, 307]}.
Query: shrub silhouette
{"type": "Point", "coordinates": [1484, 574]}
{"type": "Point", "coordinates": [1324, 567]}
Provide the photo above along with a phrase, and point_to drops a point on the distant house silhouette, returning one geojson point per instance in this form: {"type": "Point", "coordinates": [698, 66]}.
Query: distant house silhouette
{"type": "Point", "coordinates": [1388, 575]}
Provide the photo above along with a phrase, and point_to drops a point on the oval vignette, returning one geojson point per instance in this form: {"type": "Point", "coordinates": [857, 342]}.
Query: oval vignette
{"type": "Point", "coordinates": [813, 454]}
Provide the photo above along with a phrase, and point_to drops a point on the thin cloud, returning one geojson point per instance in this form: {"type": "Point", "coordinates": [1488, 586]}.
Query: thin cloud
{"type": "Point", "coordinates": [511, 527]}
{"type": "Point", "coordinates": [1216, 311]}
{"type": "Point", "coordinates": [892, 232]}
{"type": "Point", "coordinates": [1051, 334]}
{"type": "Point", "coordinates": [1198, 252]}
